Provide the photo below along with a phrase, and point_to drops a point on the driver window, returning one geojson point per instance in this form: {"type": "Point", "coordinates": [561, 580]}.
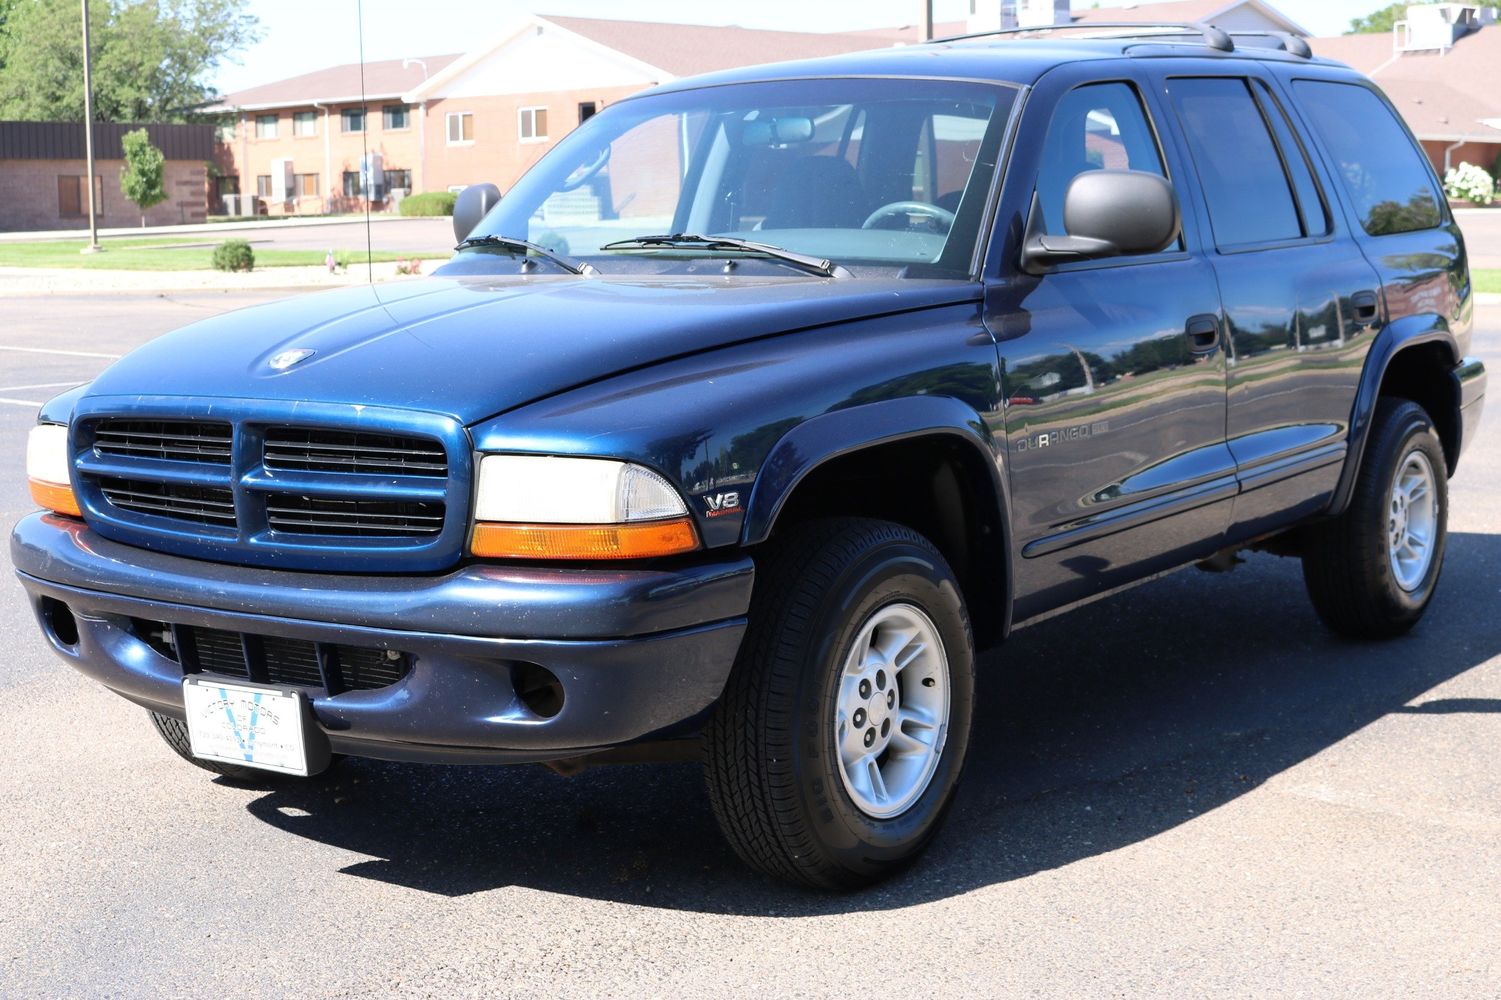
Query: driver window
{"type": "Point", "coordinates": [1100, 126]}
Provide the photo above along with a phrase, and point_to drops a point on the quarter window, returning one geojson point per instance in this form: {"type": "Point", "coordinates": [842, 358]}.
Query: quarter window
{"type": "Point", "coordinates": [1385, 175]}
{"type": "Point", "coordinates": [1100, 126]}
{"type": "Point", "coordinates": [531, 124]}
{"type": "Point", "coordinates": [460, 127]}
{"type": "Point", "coordinates": [1250, 197]}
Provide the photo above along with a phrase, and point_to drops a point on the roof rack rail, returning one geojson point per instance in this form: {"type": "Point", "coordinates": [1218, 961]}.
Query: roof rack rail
{"type": "Point", "coordinates": [1213, 37]}
{"type": "Point", "coordinates": [1290, 43]}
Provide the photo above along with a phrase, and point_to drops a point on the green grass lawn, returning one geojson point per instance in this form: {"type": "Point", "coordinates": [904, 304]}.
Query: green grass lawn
{"type": "Point", "coordinates": [168, 254]}
{"type": "Point", "coordinates": [1486, 279]}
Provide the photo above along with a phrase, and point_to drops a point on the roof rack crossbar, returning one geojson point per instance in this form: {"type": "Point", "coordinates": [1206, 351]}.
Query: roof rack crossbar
{"type": "Point", "coordinates": [1213, 37]}
{"type": "Point", "coordinates": [1291, 43]}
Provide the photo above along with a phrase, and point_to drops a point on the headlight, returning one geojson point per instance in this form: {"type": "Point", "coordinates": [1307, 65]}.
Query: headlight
{"type": "Point", "coordinates": [541, 507]}
{"type": "Point", "coordinates": [47, 469]}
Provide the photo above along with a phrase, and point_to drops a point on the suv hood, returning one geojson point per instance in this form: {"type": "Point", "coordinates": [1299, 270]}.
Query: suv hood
{"type": "Point", "coordinates": [474, 347]}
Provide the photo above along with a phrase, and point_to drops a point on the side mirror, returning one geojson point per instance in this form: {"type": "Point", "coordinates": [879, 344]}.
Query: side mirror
{"type": "Point", "coordinates": [1106, 213]}
{"type": "Point", "coordinates": [472, 205]}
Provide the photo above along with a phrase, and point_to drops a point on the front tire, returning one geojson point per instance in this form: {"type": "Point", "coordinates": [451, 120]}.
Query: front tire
{"type": "Point", "coordinates": [1372, 571]}
{"type": "Point", "coordinates": [838, 744]}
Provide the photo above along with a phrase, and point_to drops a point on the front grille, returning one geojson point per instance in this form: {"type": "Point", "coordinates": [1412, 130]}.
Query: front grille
{"type": "Point", "coordinates": [269, 659]}
{"type": "Point", "coordinates": [301, 449]}
{"type": "Point", "coordinates": [176, 440]}
{"type": "Point", "coordinates": [304, 515]}
{"type": "Point", "coordinates": [180, 501]}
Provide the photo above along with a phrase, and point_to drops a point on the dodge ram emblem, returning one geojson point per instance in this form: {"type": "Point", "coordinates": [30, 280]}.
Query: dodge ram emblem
{"type": "Point", "coordinates": [286, 359]}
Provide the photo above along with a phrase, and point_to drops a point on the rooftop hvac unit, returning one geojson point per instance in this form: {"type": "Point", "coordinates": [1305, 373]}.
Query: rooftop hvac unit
{"type": "Point", "coordinates": [1436, 27]}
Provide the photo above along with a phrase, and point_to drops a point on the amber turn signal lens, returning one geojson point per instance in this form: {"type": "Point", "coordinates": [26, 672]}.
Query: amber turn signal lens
{"type": "Point", "coordinates": [54, 497]}
{"type": "Point", "coordinates": [584, 541]}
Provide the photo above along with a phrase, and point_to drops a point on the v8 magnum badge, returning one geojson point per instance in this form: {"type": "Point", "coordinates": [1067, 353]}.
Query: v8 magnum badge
{"type": "Point", "coordinates": [720, 504]}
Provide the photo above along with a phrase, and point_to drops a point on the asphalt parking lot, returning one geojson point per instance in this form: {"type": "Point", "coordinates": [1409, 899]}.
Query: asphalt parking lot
{"type": "Point", "coordinates": [1190, 789]}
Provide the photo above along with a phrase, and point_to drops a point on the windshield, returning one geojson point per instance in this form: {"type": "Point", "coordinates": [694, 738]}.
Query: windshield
{"type": "Point", "coordinates": [867, 173]}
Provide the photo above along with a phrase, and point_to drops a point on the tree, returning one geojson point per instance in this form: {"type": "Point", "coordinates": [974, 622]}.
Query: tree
{"type": "Point", "coordinates": [152, 59]}
{"type": "Point", "coordinates": [141, 177]}
{"type": "Point", "coordinates": [1383, 19]}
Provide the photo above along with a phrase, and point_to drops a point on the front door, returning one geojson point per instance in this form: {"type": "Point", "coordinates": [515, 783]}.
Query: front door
{"type": "Point", "coordinates": [1114, 375]}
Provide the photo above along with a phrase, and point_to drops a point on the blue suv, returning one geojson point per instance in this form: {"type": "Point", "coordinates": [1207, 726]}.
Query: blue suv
{"type": "Point", "coordinates": [760, 405]}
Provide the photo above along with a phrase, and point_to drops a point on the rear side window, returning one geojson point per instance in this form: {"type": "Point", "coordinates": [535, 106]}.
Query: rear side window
{"type": "Point", "coordinates": [1386, 176]}
{"type": "Point", "coordinates": [1311, 206]}
{"type": "Point", "coordinates": [1100, 126]}
{"type": "Point", "coordinates": [1249, 194]}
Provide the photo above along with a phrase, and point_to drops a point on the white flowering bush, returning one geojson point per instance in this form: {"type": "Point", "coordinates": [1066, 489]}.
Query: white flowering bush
{"type": "Point", "coordinates": [1470, 183]}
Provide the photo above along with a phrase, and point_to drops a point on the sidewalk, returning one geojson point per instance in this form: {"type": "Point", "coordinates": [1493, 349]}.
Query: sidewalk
{"type": "Point", "coordinates": [140, 232]}
{"type": "Point", "coordinates": [26, 281]}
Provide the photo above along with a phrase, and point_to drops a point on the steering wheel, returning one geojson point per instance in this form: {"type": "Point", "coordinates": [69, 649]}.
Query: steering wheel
{"type": "Point", "coordinates": [940, 215]}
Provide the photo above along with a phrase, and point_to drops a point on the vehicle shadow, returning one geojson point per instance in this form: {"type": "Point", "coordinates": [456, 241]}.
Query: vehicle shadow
{"type": "Point", "coordinates": [1095, 730]}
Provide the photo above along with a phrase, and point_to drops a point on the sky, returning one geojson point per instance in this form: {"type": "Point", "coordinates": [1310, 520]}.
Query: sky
{"type": "Point", "coordinates": [300, 36]}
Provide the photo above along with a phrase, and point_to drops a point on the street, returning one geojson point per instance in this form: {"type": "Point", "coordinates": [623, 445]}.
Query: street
{"type": "Point", "coordinates": [1188, 789]}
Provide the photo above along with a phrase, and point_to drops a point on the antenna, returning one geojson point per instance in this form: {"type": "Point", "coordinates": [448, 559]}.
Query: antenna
{"type": "Point", "coordinates": [366, 180]}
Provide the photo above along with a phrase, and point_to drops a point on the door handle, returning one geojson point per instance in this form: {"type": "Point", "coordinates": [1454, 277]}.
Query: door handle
{"type": "Point", "coordinates": [1366, 307]}
{"type": "Point", "coordinates": [1203, 333]}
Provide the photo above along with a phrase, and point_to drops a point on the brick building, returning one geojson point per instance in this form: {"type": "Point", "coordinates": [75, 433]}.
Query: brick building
{"type": "Point", "coordinates": [42, 171]}
{"type": "Point", "coordinates": [309, 144]}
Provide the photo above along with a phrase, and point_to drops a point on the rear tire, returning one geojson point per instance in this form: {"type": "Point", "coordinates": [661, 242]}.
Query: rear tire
{"type": "Point", "coordinates": [1372, 571]}
{"type": "Point", "coordinates": [829, 759]}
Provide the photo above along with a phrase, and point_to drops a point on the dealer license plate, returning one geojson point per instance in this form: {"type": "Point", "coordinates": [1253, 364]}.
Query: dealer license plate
{"type": "Point", "coordinates": [246, 725]}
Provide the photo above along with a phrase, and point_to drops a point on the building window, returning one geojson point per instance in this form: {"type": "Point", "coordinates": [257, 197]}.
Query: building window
{"type": "Point", "coordinates": [531, 124]}
{"type": "Point", "coordinates": [306, 186]}
{"type": "Point", "coordinates": [352, 186]}
{"type": "Point", "coordinates": [72, 200]}
{"type": "Point", "coordinates": [263, 185]}
{"type": "Point", "coordinates": [587, 110]}
{"type": "Point", "coordinates": [304, 123]}
{"type": "Point", "coordinates": [265, 126]}
{"type": "Point", "coordinates": [460, 127]}
{"type": "Point", "coordinates": [352, 119]}
{"type": "Point", "coordinates": [399, 180]}
{"type": "Point", "coordinates": [394, 116]}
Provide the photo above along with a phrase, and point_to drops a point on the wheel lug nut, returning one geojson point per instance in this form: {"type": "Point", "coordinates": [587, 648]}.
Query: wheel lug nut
{"type": "Point", "coordinates": [891, 698]}
{"type": "Point", "coordinates": [885, 727]}
{"type": "Point", "coordinates": [928, 682]}
{"type": "Point", "coordinates": [881, 679]}
{"type": "Point", "coordinates": [865, 689]}
{"type": "Point", "coordinates": [859, 716]}
{"type": "Point", "coordinates": [870, 737]}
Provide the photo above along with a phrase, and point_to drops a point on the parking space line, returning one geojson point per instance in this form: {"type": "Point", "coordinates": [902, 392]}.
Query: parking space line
{"type": "Point", "coordinates": [19, 402]}
{"type": "Point", "coordinates": [54, 350]}
{"type": "Point", "coordinates": [41, 385]}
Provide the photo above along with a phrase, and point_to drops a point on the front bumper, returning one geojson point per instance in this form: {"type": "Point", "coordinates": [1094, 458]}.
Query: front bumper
{"type": "Point", "coordinates": [636, 651]}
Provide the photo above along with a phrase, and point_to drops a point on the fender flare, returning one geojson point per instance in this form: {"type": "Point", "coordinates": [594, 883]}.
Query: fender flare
{"type": "Point", "coordinates": [1410, 331]}
{"type": "Point", "coordinates": [823, 438]}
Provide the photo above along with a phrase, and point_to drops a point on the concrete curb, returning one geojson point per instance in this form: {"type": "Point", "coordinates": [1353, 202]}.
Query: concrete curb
{"type": "Point", "coordinates": [138, 232]}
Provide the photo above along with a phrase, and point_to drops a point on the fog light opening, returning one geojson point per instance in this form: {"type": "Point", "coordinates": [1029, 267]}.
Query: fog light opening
{"type": "Point", "coordinates": [61, 625]}
{"type": "Point", "coordinates": [538, 689]}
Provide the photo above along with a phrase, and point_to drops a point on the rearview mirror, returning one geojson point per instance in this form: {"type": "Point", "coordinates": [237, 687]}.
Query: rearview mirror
{"type": "Point", "coordinates": [471, 206]}
{"type": "Point", "coordinates": [1106, 213]}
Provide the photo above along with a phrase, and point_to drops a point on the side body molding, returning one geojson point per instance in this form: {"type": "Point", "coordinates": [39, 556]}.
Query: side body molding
{"type": "Point", "coordinates": [1395, 337]}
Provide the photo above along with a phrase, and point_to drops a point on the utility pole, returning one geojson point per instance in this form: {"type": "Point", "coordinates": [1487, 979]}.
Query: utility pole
{"type": "Point", "coordinates": [925, 26]}
{"type": "Point", "coordinates": [88, 136]}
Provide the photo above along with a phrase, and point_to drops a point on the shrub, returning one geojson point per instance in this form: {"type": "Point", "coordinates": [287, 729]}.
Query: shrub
{"type": "Point", "coordinates": [1470, 183]}
{"type": "Point", "coordinates": [233, 255]}
{"type": "Point", "coordinates": [413, 266]}
{"type": "Point", "coordinates": [429, 203]}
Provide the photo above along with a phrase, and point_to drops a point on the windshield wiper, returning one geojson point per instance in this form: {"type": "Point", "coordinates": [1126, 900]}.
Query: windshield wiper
{"type": "Point", "coordinates": [688, 241]}
{"type": "Point", "coordinates": [524, 248]}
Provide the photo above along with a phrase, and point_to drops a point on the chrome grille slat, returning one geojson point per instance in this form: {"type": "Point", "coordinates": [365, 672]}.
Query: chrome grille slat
{"type": "Point", "coordinates": [325, 516]}
{"type": "Point", "coordinates": [181, 501]}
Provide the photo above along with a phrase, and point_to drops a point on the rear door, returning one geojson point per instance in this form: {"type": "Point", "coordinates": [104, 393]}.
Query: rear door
{"type": "Point", "coordinates": [1301, 302]}
{"type": "Point", "coordinates": [1115, 413]}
